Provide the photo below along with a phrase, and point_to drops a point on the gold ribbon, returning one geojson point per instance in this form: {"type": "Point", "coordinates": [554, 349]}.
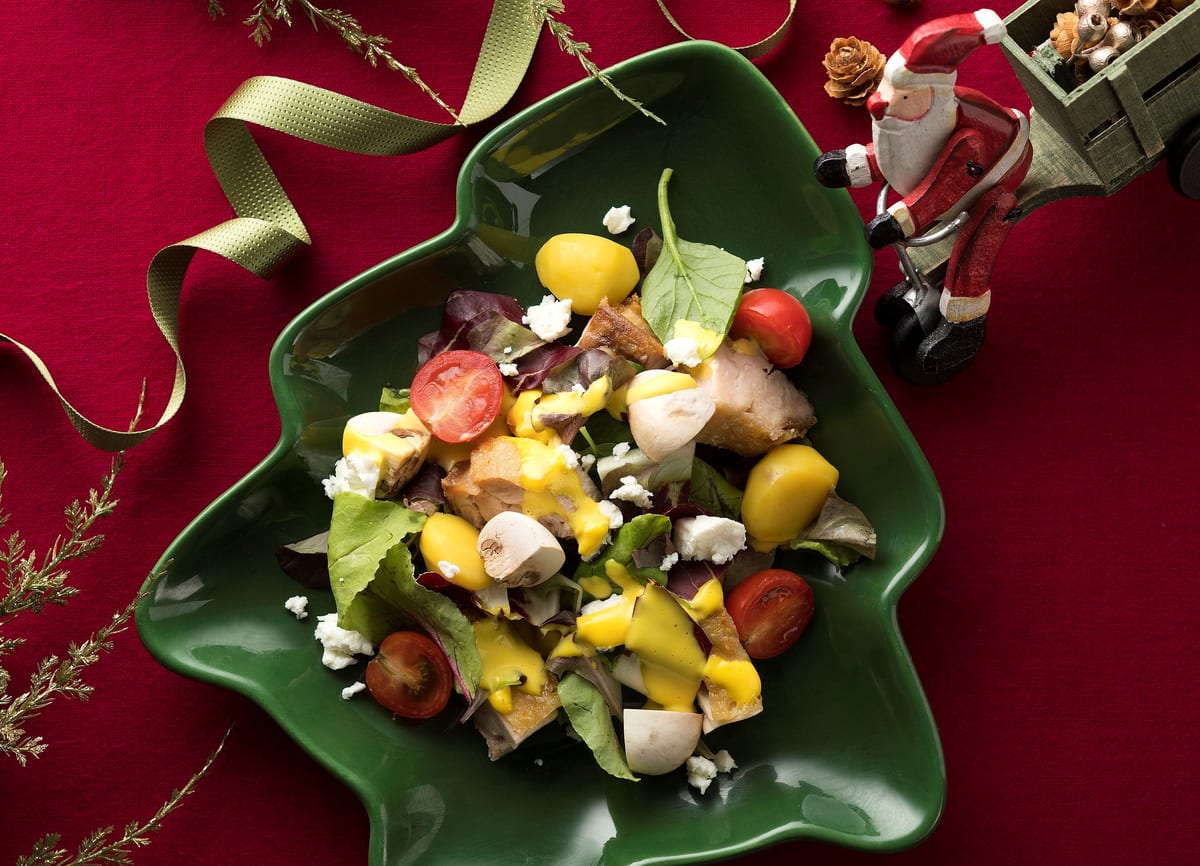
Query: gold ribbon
{"type": "Point", "coordinates": [267, 231]}
{"type": "Point", "coordinates": [754, 49]}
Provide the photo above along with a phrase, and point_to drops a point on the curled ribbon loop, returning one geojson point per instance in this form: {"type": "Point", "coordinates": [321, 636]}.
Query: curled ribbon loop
{"type": "Point", "coordinates": [267, 231]}
{"type": "Point", "coordinates": [754, 49]}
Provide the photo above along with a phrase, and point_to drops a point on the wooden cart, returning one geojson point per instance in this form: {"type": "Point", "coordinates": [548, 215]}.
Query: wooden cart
{"type": "Point", "coordinates": [1095, 136]}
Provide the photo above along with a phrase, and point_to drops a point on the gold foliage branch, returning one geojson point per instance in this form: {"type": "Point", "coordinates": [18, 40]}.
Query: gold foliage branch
{"type": "Point", "coordinates": [30, 583]}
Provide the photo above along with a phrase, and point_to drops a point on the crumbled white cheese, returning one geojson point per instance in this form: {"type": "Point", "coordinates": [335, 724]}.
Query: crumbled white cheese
{"type": "Point", "coordinates": [700, 772]}
{"type": "Point", "coordinates": [448, 569]}
{"type": "Point", "coordinates": [352, 690]}
{"type": "Point", "coordinates": [716, 539]}
{"type": "Point", "coordinates": [724, 761]}
{"type": "Point", "coordinates": [578, 388]}
{"type": "Point", "coordinates": [587, 461]}
{"type": "Point", "coordinates": [355, 473]}
{"type": "Point", "coordinates": [570, 456]}
{"type": "Point", "coordinates": [754, 269]}
{"type": "Point", "coordinates": [621, 449]}
{"type": "Point", "coordinates": [632, 491]}
{"type": "Point", "coordinates": [667, 561]}
{"type": "Point", "coordinates": [507, 369]}
{"type": "Point", "coordinates": [613, 512]}
{"type": "Point", "coordinates": [341, 645]}
{"type": "Point", "coordinates": [297, 605]}
{"type": "Point", "coordinates": [618, 219]}
{"type": "Point", "coordinates": [550, 318]}
{"type": "Point", "coordinates": [683, 351]}
{"type": "Point", "coordinates": [600, 604]}
{"type": "Point", "coordinates": [508, 350]}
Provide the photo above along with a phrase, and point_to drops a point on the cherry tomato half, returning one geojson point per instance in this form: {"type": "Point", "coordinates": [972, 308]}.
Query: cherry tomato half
{"type": "Point", "coordinates": [777, 321]}
{"type": "Point", "coordinates": [457, 394]}
{"type": "Point", "coordinates": [771, 609]}
{"type": "Point", "coordinates": [410, 676]}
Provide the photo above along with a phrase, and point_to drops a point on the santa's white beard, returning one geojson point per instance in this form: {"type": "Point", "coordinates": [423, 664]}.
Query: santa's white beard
{"type": "Point", "coordinates": [905, 150]}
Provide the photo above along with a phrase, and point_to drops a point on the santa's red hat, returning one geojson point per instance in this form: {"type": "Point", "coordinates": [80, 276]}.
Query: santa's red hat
{"type": "Point", "coordinates": [929, 56]}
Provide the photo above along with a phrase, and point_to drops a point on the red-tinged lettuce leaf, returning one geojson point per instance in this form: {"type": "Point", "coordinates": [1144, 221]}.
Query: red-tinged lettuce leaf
{"type": "Point", "coordinates": [424, 492]}
{"type": "Point", "coordinates": [587, 367]}
{"type": "Point", "coordinates": [464, 598]}
{"type": "Point", "coordinates": [646, 247]}
{"type": "Point", "coordinates": [465, 304]}
{"type": "Point", "coordinates": [306, 561]}
{"type": "Point", "coordinates": [534, 367]}
{"type": "Point", "coordinates": [473, 320]}
{"type": "Point", "coordinates": [687, 576]}
{"type": "Point", "coordinates": [500, 339]}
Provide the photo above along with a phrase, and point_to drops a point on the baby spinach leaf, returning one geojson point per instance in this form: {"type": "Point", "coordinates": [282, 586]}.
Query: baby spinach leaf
{"type": "Point", "coordinates": [713, 492]}
{"type": "Point", "coordinates": [588, 713]}
{"type": "Point", "coordinates": [637, 534]}
{"type": "Point", "coordinates": [692, 281]}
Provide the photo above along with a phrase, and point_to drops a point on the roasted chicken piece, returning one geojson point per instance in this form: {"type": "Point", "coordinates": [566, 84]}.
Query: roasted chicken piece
{"type": "Point", "coordinates": [530, 713]}
{"type": "Point", "coordinates": [509, 473]}
{"type": "Point", "coordinates": [719, 707]}
{"type": "Point", "coordinates": [622, 330]}
{"type": "Point", "coordinates": [757, 406]}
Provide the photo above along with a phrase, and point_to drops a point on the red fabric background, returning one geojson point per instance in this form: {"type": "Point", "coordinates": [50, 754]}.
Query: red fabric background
{"type": "Point", "coordinates": [1055, 631]}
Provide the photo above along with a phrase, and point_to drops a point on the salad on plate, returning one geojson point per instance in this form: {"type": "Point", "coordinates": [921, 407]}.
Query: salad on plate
{"type": "Point", "coordinates": [570, 515]}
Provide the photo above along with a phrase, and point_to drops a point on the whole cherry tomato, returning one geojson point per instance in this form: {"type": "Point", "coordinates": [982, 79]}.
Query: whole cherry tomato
{"type": "Point", "coordinates": [457, 394]}
{"type": "Point", "coordinates": [410, 675]}
{"type": "Point", "coordinates": [777, 321]}
{"type": "Point", "coordinates": [771, 609]}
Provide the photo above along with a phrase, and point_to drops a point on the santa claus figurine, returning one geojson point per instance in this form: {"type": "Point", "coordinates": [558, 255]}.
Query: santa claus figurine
{"type": "Point", "coordinates": [945, 149]}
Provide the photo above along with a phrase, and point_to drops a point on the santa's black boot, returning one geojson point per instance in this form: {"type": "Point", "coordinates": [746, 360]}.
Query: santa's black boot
{"type": "Point", "coordinates": [950, 349]}
{"type": "Point", "coordinates": [893, 306]}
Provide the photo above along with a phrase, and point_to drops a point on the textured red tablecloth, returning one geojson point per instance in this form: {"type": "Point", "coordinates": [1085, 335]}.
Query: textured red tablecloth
{"type": "Point", "coordinates": [1056, 630]}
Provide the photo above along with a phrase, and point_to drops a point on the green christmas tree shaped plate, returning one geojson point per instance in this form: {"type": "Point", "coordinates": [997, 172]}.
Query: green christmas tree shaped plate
{"type": "Point", "coordinates": [846, 750]}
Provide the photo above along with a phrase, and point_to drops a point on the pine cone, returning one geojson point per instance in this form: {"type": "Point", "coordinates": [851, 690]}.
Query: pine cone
{"type": "Point", "coordinates": [1151, 21]}
{"type": "Point", "coordinates": [1062, 34]}
{"type": "Point", "coordinates": [1134, 8]}
{"type": "Point", "coordinates": [855, 68]}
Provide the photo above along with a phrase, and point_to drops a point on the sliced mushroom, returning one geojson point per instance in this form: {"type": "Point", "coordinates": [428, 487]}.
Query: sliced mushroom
{"type": "Point", "coordinates": [667, 422]}
{"type": "Point", "coordinates": [518, 551]}
{"type": "Point", "coordinates": [659, 741]}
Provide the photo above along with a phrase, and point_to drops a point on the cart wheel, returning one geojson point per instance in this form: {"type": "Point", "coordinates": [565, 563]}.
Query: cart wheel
{"type": "Point", "coordinates": [1183, 161]}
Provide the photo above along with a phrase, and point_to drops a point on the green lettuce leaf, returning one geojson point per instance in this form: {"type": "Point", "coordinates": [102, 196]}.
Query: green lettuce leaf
{"type": "Point", "coordinates": [589, 716]}
{"type": "Point", "coordinates": [396, 583]}
{"type": "Point", "coordinates": [395, 399]}
{"type": "Point", "coordinates": [692, 281]}
{"type": "Point", "coordinates": [637, 534]}
{"type": "Point", "coordinates": [841, 533]}
{"type": "Point", "coordinates": [361, 532]}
